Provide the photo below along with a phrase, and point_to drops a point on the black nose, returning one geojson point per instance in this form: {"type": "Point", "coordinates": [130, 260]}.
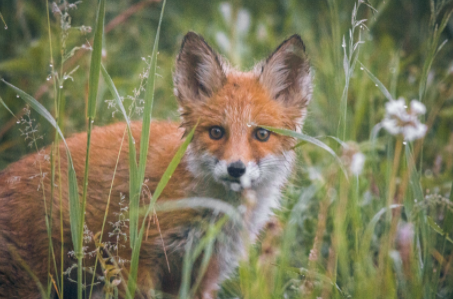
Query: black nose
{"type": "Point", "coordinates": [236, 169]}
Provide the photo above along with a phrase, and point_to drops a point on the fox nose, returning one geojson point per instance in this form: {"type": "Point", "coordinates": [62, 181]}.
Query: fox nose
{"type": "Point", "coordinates": [236, 169]}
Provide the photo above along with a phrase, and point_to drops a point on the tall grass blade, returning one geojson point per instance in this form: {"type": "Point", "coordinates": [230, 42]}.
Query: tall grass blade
{"type": "Point", "coordinates": [312, 140]}
{"type": "Point", "coordinates": [432, 50]}
{"type": "Point", "coordinates": [369, 231]}
{"type": "Point", "coordinates": [133, 181]}
{"type": "Point", "coordinates": [74, 204]}
{"type": "Point", "coordinates": [414, 178]}
{"type": "Point", "coordinates": [451, 193]}
{"type": "Point", "coordinates": [95, 64]}
{"type": "Point", "coordinates": [378, 83]}
{"type": "Point", "coordinates": [205, 246]}
{"type": "Point", "coordinates": [160, 187]}
{"type": "Point", "coordinates": [117, 98]}
{"type": "Point", "coordinates": [93, 83]}
{"type": "Point", "coordinates": [435, 226]}
{"type": "Point", "coordinates": [144, 144]}
{"type": "Point", "coordinates": [6, 107]}
{"type": "Point", "coordinates": [200, 202]}
{"type": "Point", "coordinates": [170, 169]}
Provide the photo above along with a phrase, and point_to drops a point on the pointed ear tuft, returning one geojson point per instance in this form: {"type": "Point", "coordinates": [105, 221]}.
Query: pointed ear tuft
{"type": "Point", "coordinates": [198, 72]}
{"type": "Point", "coordinates": [286, 73]}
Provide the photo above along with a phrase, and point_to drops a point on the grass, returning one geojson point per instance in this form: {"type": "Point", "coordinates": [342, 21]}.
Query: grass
{"type": "Point", "coordinates": [378, 230]}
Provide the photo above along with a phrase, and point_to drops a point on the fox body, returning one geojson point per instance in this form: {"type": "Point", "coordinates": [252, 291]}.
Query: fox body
{"type": "Point", "coordinates": [231, 158]}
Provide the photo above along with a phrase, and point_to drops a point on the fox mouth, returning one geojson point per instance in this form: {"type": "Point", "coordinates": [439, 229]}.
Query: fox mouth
{"type": "Point", "coordinates": [231, 180]}
{"type": "Point", "coordinates": [237, 184]}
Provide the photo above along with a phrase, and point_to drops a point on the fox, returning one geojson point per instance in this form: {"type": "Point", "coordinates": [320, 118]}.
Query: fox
{"type": "Point", "coordinates": [231, 158]}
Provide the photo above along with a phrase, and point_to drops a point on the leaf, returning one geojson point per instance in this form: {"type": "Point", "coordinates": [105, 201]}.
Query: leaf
{"type": "Point", "coordinates": [435, 226]}
{"type": "Point", "coordinates": [316, 275]}
{"type": "Point", "coordinates": [70, 53]}
{"type": "Point", "coordinates": [414, 176]}
{"type": "Point", "coordinates": [368, 234]}
{"type": "Point", "coordinates": [340, 142]}
{"type": "Point", "coordinates": [309, 139]}
{"type": "Point", "coordinates": [96, 57]}
{"type": "Point", "coordinates": [200, 202]}
{"type": "Point", "coordinates": [205, 246]}
{"type": "Point", "coordinates": [160, 187]}
{"type": "Point", "coordinates": [134, 192]}
{"type": "Point", "coordinates": [134, 196]}
{"type": "Point", "coordinates": [360, 22]}
{"type": "Point", "coordinates": [378, 83]}
{"type": "Point", "coordinates": [170, 169]}
{"type": "Point", "coordinates": [74, 204]}
{"type": "Point", "coordinates": [358, 43]}
{"type": "Point", "coordinates": [345, 60]}
{"type": "Point", "coordinates": [133, 182]}
{"type": "Point", "coordinates": [93, 83]}
{"type": "Point", "coordinates": [6, 107]}
{"type": "Point", "coordinates": [441, 46]}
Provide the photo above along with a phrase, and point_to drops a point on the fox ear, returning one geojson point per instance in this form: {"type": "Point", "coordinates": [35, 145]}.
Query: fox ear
{"type": "Point", "coordinates": [198, 72]}
{"type": "Point", "coordinates": [286, 73]}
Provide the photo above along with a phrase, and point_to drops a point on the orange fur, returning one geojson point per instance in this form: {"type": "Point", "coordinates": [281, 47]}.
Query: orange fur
{"type": "Point", "coordinates": [211, 93]}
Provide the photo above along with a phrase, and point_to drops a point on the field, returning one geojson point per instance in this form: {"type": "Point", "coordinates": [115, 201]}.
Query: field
{"type": "Point", "coordinates": [368, 212]}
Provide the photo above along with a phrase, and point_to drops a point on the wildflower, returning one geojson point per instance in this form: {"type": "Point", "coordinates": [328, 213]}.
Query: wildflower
{"type": "Point", "coordinates": [399, 121]}
{"type": "Point", "coordinates": [353, 159]}
{"type": "Point", "coordinates": [55, 9]}
{"type": "Point", "coordinates": [357, 162]}
{"type": "Point", "coordinates": [404, 242]}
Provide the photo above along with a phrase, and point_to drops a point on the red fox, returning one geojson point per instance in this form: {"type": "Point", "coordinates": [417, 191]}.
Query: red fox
{"type": "Point", "coordinates": [231, 155]}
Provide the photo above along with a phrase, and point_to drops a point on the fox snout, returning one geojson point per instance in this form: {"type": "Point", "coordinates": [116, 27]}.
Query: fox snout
{"type": "Point", "coordinates": [235, 175]}
{"type": "Point", "coordinates": [236, 169]}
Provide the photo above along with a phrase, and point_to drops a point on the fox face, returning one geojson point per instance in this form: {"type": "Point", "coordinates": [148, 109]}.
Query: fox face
{"type": "Point", "coordinates": [230, 146]}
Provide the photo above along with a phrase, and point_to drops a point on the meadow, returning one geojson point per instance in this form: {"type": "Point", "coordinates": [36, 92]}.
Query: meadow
{"type": "Point", "coordinates": [368, 212]}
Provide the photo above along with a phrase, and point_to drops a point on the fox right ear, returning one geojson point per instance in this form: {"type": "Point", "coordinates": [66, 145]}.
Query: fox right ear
{"type": "Point", "coordinates": [286, 73]}
{"type": "Point", "coordinates": [198, 72]}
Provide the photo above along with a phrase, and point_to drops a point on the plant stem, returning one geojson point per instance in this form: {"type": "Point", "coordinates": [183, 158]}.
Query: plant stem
{"type": "Point", "coordinates": [82, 221]}
{"type": "Point", "coordinates": [392, 181]}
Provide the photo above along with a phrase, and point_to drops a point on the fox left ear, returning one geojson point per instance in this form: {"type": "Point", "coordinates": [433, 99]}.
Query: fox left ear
{"type": "Point", "coordinates": [286, 74]}
{"type": "Point", "coordinates": [199, 73]}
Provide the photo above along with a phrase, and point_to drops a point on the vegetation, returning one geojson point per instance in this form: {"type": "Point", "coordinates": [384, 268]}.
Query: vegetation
{"type": "Point", "coordinates": [378, 224]}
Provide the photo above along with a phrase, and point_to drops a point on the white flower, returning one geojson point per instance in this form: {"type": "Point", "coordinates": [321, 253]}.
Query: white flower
{"type": "Point", "coordinates": [357, 162]}
{"type": "Point", "coordinates": [399, 121]}
{"type": "Point", "coordinates": [417, 107]}
{"type": "Point", "coordinates": [352, 158]}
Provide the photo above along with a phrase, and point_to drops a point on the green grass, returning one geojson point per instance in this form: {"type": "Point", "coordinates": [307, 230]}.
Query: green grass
{"type": "Point", "coordinates": [382, 232]}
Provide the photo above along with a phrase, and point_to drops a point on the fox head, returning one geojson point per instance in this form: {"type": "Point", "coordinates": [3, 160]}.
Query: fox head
{"type": "Point", "coordinates": [230, 146]}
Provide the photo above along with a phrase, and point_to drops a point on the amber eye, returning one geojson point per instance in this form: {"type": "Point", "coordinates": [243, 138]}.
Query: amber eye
{"type": "Point", "coordinates": [262, 134]}
{"type": "Point", "coordinates": [216, 133]}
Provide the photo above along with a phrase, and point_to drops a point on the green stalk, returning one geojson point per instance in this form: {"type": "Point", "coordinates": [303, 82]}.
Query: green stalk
{"type": "Point", "coordinates": [74, 208]}
{"type": "Point", "coordinates": [52, 159]}
{"type": "Point", "coordinates": [135, 188]}
{"type": "Point", "coordinates": [131, 285]}
{"type": "Point", "coordinates": [95, 67]}
{"type": "Point", "coordinates": [392, 181]}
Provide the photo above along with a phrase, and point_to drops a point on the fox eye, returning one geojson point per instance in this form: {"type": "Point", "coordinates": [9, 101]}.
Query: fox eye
{"type": "Point", "coordinates": [216, 133]}
{"type": "Point", "coordinates": [262, 134]}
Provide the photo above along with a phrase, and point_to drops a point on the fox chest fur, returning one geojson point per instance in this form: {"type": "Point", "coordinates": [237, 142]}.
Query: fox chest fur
{"type": "Point", "coordinates": [232, 159]}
